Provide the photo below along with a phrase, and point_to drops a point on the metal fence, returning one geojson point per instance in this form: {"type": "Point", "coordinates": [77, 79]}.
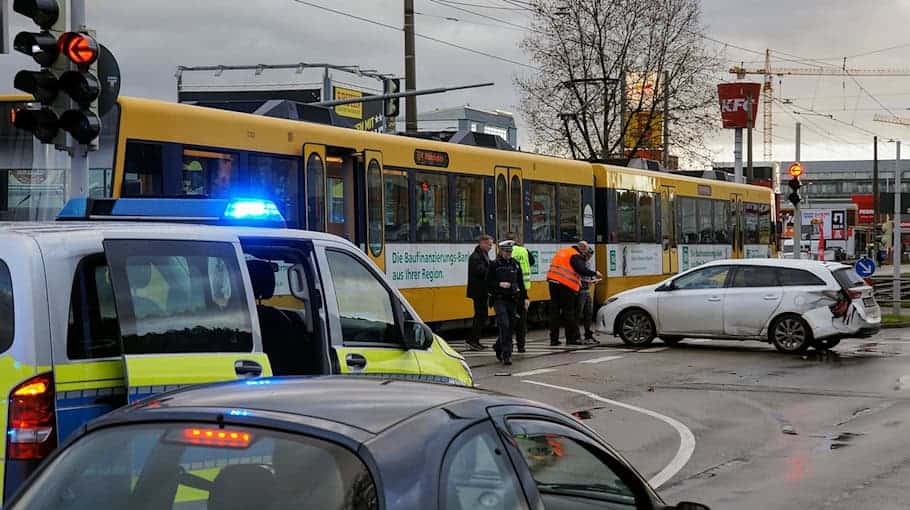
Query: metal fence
{"type": "Point", "coordinates": [884, 291]}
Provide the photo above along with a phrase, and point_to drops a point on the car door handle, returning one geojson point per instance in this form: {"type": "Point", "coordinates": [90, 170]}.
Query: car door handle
{"type": "Point", "coordinates": [770, 297]}
{"type": "Point", "coordinates": [714, 299]}
{"type": "Point", "coordinates": [247, 368]}
{"type": "Point", "coordinates": [355, 361]}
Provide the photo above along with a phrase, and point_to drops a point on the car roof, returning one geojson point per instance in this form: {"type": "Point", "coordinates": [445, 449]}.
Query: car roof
{"type": "Point", "coordinates": [93, 228]}
{"type": "Point", "coordinates": [791, 263]}
{"type": "Point", "coordinates": [368, 403]}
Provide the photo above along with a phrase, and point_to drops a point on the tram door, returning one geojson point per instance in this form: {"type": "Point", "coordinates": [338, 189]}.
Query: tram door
{"type": "Point", "coordinates": [374, 199]}
{"type": "Point", "coordinates": [668, 229]}
{"type": "Point", "coordinates": [509, 213]}
{"type": "Point", "coordinates": [738, 227]}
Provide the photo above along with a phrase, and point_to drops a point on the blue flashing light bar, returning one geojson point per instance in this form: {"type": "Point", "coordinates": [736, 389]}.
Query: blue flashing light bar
{"type": "Point", "coordinates": [217, 211]}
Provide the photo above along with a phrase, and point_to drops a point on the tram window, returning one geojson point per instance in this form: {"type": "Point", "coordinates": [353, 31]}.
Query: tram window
{"type": "Point", "coordinates": [722, 222]}
{"type": "Point", "coordinates": [515, 205]}
{"type": "Point", "coordinates": [569, 213]}
{"type": "Point", "coordinates": [432, 207]}
{"type": "Point", "coordinates": [397, 209]}
{"type": "Point", "coordinates": [276, 178]}
{"type": "Point", "coordinates": [143, 168]}
{"type": "Point", "coordinates": [764, 225]}
{"type": "Point", "coordinates": [374, 207]}
{"type": "Point", "coordinates": [705, 217]}
{"type": "Point", "coordinates": [468, 208]}
{"type": "Point", "coordinates": [625, 216]}
{"type": "Point", "coordinates": [646, 218]}
{"type": "Point", "coordinates": [315, 186]}
{"type": "Point", "coordinates": [543, 212]}
{"type": "Point", "coordinates": [688, 222]}
{"type": "Point", "coordinates": [208, 173]}
{"type": "Point", "coordinates": [502, 206]}
{"type": "Point", "coordinates": [751, 223]}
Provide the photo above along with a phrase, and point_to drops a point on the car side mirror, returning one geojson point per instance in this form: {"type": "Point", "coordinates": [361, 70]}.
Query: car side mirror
{"type": "Point", "coordinates": [667, 287]}
{"type": "Point", "coordinates": [688, 505]}
{"type": "Point", "coordinates": [417, 335]}
{"type": "Point", "coordinates": [300, 289]}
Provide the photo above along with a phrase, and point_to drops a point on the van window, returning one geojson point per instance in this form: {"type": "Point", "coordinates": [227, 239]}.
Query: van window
{"type": "Point", "coordinates": [6, 308]}
{"type": "Point", "coordinates": [179, 296]}
{"type": "Point", "coordinates": [92, 328]}
{"type": "Point", "coordinates": [364, 303]}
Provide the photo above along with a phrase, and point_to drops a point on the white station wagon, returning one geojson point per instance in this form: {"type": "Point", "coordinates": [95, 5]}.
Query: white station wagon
{"type": "Point", "coordinates": [794, 304]}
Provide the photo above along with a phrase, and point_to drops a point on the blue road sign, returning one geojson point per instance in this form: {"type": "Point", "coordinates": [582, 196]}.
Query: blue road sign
{"type": "Point", "coordinates": [865, 267]}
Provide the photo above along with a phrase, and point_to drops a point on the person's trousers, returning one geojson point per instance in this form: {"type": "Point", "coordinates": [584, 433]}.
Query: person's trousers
{"type": "Point", "coordinates": [480, 319]}
{"type": "Point", "coordinates": [506, 311]}
{"type": "Point", "coordinates": [586, 311]}
{"type": "Point", "coordinates": [563, 308]}
{"type": "Point", "coordinates": [521, 325]}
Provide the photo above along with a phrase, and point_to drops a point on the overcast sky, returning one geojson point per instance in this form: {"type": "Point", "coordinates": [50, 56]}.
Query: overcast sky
{"type": "Point", "coordinates": [150, 38]}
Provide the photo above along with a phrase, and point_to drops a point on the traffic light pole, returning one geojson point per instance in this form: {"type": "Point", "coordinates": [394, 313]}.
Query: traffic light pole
{"type": "Point", "coordinates": [797, 216]}
{"type": "Point", "coordinates": [78, 174]}
{"type": "Point", "coordinates": [896, 233]}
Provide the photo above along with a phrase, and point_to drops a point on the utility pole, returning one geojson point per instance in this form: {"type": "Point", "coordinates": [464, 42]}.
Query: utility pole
{"type": "Point", "coordinates": [751, 122]}
{"type": "Point", "coordinates": [78, 175]}
{"type": "Point", "coordinates": [410, 68]}
{"type": "Point", "coordinates": [666, 123]}
{"type": "Point", "coordinates": [896, 233]}
{"type": "Point", "coordinates": [797, 216]}
{"type": "Point", "coordinates": [876, 219]}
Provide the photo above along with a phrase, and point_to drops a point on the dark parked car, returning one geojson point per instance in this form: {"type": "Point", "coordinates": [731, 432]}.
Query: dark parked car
{"type": "Point", "coordinates": [336, 443]}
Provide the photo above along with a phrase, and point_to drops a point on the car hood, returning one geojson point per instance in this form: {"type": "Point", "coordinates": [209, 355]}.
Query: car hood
{"type": "Point", "coordinates": [638, 290]}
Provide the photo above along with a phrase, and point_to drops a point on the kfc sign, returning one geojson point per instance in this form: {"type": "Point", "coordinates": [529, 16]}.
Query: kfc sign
{"type": "Point", "coordinates": [734, 103]}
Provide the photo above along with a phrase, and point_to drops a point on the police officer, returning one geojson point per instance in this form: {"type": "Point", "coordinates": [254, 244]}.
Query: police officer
{"type": "Point", "coordinates": [506, 286]}
{"type": "Point", "coordinates": [525, 260]}
{"type": "Point", "coordinates": [564, 278]}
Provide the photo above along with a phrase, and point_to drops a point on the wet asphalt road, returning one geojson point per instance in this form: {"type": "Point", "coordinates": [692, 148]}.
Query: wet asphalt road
{"type": "Point", "coordinates": [820, 430]}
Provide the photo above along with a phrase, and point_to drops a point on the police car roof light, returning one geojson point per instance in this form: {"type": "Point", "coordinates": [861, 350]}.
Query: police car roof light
{"type": "Point", "coordinates": [220, 211]}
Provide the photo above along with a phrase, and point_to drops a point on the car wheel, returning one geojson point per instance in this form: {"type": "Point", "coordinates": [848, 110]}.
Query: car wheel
{"type": "Point", "coordinates": [636, 327]}
{"type": "Point", "coordinates": [671, 340]}
{"type": "Point", "coordinates": [826, 343]}
{"type": "Point", "coordinates": [790, 334]}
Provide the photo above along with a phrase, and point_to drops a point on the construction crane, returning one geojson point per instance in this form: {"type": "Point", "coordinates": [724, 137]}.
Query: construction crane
{"type": "Point", "coordinates": [889, 119]}
{"type": "Point", "coordinates": [768, 94]}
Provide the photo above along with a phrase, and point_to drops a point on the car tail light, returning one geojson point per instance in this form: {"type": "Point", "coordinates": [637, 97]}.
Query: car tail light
{"type": "Point", "coordinates": [217, 437]}
{"type": "Point", "coordinates": [854, 294]}
{"type": "Point", "coordinates": [31, 429]}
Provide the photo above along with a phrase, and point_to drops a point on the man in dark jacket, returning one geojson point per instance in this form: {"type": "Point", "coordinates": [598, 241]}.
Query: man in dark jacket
{"type": "Point", "coordinates": [506, 284]}
{"type": "Point", "coordinates": [478, 263]}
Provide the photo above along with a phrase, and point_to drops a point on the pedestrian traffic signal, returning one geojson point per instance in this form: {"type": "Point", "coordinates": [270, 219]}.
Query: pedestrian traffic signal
{"type": "Point", "coordinates": [67, 61]}
{"type": "Point", "coordinates": [794, 196]}
{"type": "Point", "coordinates": [391, 107]}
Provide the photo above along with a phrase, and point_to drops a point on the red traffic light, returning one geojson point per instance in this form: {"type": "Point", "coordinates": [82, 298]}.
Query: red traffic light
{"type": "Point", "coordinates": [82, 49]}
{"type": "Point", "coordinates": [796, 170]}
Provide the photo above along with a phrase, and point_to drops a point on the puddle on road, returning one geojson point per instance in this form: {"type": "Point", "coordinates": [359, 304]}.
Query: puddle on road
{"type": "Point", "coordinates": [836, 440]}
{"type": "Point", "coordinates": [824, 356]}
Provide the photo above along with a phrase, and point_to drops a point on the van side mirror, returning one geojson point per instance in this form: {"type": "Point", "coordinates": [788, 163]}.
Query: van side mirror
{"type": "Point", "coordinates": [300, 289]}
{"type": "Point", "coordinates": [417, 335]}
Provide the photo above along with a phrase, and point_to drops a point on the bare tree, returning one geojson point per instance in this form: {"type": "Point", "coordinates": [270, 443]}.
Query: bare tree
{"type": "Point", "coordinates": [587, 51]}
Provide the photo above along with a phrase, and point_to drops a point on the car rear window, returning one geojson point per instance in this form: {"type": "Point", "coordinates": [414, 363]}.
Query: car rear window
{"type": "Point", "coordinates": [6, 308]}
{"type": "Point", "coordinates": [797, 277]}
{"type": "Point", "coordinates": [848, 278]}
{"type": "Point", "coordinates": [201, 467]}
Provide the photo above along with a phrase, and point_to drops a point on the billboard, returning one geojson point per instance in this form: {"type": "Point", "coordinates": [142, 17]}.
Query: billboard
{"type": "Point", "coordinates": [644, 130]}
{"type": "Point", "coordinates": [734, 98]}
{"type": "Point", "coordinates": [351, 111]}
{"type": "Point", "coordinates": [865, 212]}
{"type": "Point", "coordinates": [641, 88]}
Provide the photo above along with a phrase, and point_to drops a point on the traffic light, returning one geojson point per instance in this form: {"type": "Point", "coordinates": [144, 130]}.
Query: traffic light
{"type": "Point", "coordinates": [795, 171]}
{"type": "Point", "coordinates": [391, 107]}
{"type": "Point", "coordinates": [67, 65]}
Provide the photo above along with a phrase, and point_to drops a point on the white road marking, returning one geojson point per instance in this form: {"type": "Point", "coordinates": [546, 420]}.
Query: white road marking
{"type": "Point", "coordinates": [686, 437]}
{"type": "Point", "coordinates": [700, 341]}
{"type": "Point", "coordinates": [654, 349]}
{"type": "Point", "coordinates": [601, 360]}
{"type": "Point", "coordinates": [534, 372]}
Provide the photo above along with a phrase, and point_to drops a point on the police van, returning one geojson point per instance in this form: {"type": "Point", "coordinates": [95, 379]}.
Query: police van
{"type": "Point", "coordinates": [98, 314]}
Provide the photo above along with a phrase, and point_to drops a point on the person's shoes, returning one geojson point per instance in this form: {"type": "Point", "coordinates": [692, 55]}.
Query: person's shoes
{"type": "Point", "coordinates": [522, 350]}
{"type": "Point", "coordinates": [573, 342]}
{"type": "Point", "coordinates": [554, 343]}
{"type": "Point", "coordinates": [475, 345]}
{"type": "Point", "coordinates": [498, 352]}
{"type": "Point", "coordinates": [591, 341]}
{"type": "Point", "coordinates": [507, 361]}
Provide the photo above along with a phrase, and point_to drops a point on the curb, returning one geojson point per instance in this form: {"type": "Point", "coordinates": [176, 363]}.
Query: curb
{"type": "Point", "coordinates": [896, 325]}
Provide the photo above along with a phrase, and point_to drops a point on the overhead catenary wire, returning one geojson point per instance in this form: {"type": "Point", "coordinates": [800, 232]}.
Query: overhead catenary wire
{"type": "Point", "coordinates": [422, 36]}
{"type": "Point", "coordinates": [448, 4]}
